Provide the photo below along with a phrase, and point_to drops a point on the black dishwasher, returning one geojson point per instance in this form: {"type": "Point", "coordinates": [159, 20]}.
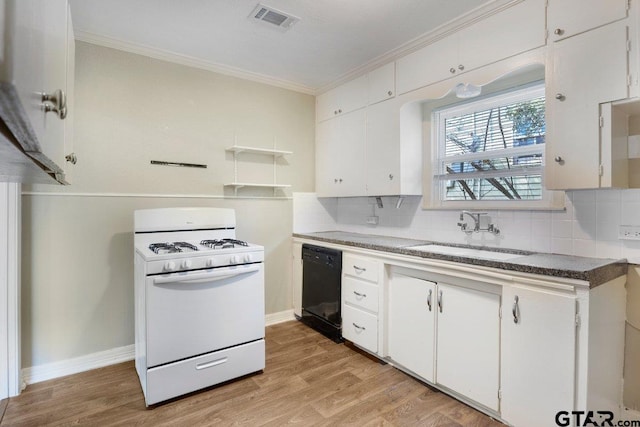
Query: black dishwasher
{"type": "Point", "coordinates": [321, 288]}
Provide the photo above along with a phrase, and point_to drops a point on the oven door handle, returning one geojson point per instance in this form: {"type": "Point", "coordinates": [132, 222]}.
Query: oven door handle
{"type": "Point", "coordinates": [204, 277]}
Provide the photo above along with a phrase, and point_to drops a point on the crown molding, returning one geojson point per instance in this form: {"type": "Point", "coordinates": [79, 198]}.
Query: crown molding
{"type": "Point", "coordinates": [189, 61]}
{"type": "Point", "coordinates": [438, 33]}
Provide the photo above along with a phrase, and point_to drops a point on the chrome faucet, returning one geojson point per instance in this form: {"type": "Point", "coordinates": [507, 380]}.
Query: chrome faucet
{"type": "Point", "coordinates": [476, 223]}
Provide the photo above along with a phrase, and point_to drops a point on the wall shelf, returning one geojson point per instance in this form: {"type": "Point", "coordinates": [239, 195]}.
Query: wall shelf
{"type": "Point", "coordinates": [238, 149]}
{"type": "Point", "coordinates": [237, 185]}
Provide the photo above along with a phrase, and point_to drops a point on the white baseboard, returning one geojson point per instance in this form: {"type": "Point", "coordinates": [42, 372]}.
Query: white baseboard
{"type": "Point", "coordinates": [48, 371]}
{"type": "Point", "coordinates": [282, 316]}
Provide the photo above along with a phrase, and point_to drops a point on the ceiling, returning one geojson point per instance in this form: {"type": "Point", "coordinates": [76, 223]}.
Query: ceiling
{"type": "Point", "coordinates": [331, 40]}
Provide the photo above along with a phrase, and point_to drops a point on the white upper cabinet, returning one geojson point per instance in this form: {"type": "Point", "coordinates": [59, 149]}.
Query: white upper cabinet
{"type": "Point", "coordinates": [393, 159]}
{"type": "Point", "coordinates": [35, 76]}
{"type": "Point", "coordinates": [538, 355]}
{"type": "Point", "coordinates": [342, 99]}
{"type": "Point", "coordinates": [577, 68]}
{"type": "Point", "coordinates": [566, 18]}
{"type": "Point", "coordinates": [504, 34]}
{"type": "Point", "coordinates": [340, 156]}
{"type": "Point", "coordinates": [382, 83]}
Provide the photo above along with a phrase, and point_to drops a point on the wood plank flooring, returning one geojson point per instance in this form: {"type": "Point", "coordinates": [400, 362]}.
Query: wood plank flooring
{"type": "Point", "coordinates": [308, 380]}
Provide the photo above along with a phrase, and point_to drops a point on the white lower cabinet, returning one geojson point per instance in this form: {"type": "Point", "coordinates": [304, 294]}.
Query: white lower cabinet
{"type": "Point", "coordinates": [360, 300]}
{"type": "Point", "coordinates": [468, 343]}
{"type": "Point", "coordinates": [538, 355]}
{"type": "Point", "coordinates": [446, 334]}
{"type": "Point", "coordinates": [360, 328]}
{"type": "Point", "coordinates": [412, 324]}
{"type": "Point", "coordinates": [517, 346]}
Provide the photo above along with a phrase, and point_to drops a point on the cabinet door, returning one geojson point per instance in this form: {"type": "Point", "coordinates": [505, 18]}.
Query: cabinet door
{"type": "Point", "coordinates": [348, 153]}
{"type": "Point", "coordinates": [326, 166]}
{"type": "Point", "coordinates": [480, 44]}
{"type": "Point", "coordinates": [38, 63]}
{"type": "Point", "coordinates": [428, 65]}
{"type": "Point", "coordinates": [412, 314]}
{"type": "Point", "coordinates": [352, 95]}
{"type": "Point", "coordinates": [585, 70]}
{"type": "Point", "coordinates": [538, 356]}
{"type": "Point", "coordinates": [68, 165]}
{"type": "Point", "coordinates": [382, 83]}
{"type": "Point", "coordinates": [340, 156]}
{"type": "Point", "coordinates": [383, 149]}
{"type": "Point", "coordinates": [468, 343]}
{"type": "Point", "coordinates": [569, 17]}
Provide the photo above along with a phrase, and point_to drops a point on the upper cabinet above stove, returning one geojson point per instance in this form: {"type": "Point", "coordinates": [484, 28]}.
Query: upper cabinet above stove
{"type": "Point", "coordinates": [35, 127]}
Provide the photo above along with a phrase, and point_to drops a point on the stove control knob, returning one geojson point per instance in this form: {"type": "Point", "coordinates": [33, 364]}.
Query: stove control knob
{"type": "Point", "coordinates": [186, 264]}
{"type": "Point", "coordinates": [210, 262]}
{"type": "Point", "coordinates": [233, 259]}
{"type": "Point", "coordinates": [169, 266]}
{"type": "Point", "coordinates": [248, 258]}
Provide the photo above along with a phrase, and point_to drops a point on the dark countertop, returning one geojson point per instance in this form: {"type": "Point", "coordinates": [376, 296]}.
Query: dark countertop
{"type": "Point", "coordinates": [596, 271]}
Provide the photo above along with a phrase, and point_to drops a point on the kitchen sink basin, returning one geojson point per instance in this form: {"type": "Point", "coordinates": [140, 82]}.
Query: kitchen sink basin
{"type": "Point", "coordinates": [465, 252]}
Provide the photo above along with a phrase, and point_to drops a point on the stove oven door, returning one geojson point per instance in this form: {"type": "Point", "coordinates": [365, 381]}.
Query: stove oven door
{"type": "Point", "coordinates": [193, 313]}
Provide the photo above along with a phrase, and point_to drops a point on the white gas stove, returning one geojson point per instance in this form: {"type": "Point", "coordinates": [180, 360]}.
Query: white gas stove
{"type": "Point", "coordinates": [199, 301]}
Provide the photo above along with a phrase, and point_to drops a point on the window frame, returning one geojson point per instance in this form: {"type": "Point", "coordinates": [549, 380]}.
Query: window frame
{"type": "Point", "coordinates": [549, 200]}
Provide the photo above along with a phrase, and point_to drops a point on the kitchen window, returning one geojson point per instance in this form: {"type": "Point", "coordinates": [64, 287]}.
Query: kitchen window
{"type": "Point", "coordinates": [490, 152]}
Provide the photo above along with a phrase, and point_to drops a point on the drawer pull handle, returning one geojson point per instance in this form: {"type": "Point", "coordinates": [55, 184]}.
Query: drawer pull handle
{"type": "Point", "coordinates": [516, 310]}
{"type": "Point", "coordinates": [211, 364]}
{"type": "Point", "coordinates": [362, 328]}
{"type": "Point", "coordinates": [440, 301]}
{"type": "Point", "coordinates": [429, 299]}
{"type": "Point", "coordinates": [359, 269]}
{"type": "Point", "coordinates": [358, 294]}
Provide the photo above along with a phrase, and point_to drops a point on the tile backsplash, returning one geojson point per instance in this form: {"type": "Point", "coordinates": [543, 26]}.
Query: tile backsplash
{"type": "Point", "coordinates": [587, 227]}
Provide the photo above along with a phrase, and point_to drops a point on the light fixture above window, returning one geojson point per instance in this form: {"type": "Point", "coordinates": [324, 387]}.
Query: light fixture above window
{"type": "Point", "coordinates": [467, 90]}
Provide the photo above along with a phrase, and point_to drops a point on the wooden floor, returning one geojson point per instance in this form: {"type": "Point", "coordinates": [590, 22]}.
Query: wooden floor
{"type": "Point", "coordinates": [308, 380]}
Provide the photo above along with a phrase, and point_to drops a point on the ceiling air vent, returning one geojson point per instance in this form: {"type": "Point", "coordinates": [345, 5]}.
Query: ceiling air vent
{"type": "Point", "coordinates": [273, 17]}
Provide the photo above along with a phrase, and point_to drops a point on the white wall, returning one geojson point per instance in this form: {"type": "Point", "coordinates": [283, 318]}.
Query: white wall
{"type": "Point", "coordinates": [77, 284]}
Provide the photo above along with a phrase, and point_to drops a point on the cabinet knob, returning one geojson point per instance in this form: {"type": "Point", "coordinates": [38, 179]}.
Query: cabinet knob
{"type": "Point", "coordinates": [452, 70]}
{"type": "Point", "coordinates": [390, 93]}
{"type": "Point", "coordinates": [339, 110]}
{"type": "Point", "coordinates": [460, 67]}
{"type": "Point", "coordinates": [390, 177]}
{"type": "Point", "coordinates": [559, 159]}
{"type": "Point", "coordinates": [560, 97]}
{"type": "Point", "coordinates": [340, 180]}
{"type": "Point", "coordinates": [55, 102]}
{"type": "Point", "coordinates": [558, 31]}
{"type": "Point", "coordinates": [71, 158]}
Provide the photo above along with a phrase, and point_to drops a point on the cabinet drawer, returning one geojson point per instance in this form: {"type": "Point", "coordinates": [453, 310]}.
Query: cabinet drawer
{"type": "Point", "coordinates": [360, 294]}
{"type": "Point", "coordinates": [361, 268]}
{"type": "Point", "coordinates": [360, 328]}
{"type": "Point", "coordinates": [185, 376]}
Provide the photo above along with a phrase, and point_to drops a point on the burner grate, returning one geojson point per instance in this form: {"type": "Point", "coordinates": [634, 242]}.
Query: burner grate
{"type": "Point", "coordinates": [223, 243]}
{"type": "Point", "coordinates": [171, 248]}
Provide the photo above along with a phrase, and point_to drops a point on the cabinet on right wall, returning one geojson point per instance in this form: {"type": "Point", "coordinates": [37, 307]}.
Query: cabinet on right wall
{"type": "Point", "coordinates": [587, 50]}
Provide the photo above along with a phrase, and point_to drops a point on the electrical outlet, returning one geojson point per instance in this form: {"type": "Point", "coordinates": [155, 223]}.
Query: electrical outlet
{"type": "Point", "coordinates": [373, 220]}
{"type": "Point", "coordinates": [629, 232]}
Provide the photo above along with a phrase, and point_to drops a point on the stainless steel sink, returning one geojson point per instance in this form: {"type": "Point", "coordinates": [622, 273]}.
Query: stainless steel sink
{"type": "Point", "coordinates": [465, 252]}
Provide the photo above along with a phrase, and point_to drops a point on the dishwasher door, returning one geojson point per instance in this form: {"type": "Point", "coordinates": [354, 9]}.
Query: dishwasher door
{"type": "Point", "coordinates": [321, 289]}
